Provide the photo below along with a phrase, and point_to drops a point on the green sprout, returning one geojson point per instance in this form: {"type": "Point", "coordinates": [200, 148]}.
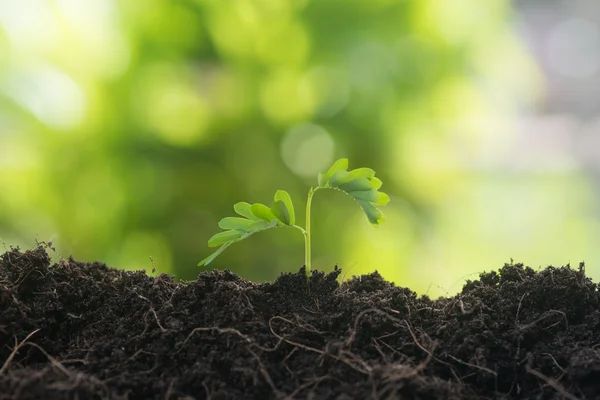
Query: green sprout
{"type": "Point", "coordinates": [361, 184]}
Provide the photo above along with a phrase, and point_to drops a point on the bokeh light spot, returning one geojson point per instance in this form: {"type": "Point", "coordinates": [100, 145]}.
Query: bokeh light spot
{"type": "Point", "coordinates": [285, 99]}
{"type": "Point", "coordinates": [89, 41]}
{"type": "Point", "coordinates": [307, 149]}
{"type": "Point", "coordinates": [332, 90]}
{"type": "Point", "coordinates": [456, 21]}
{"type": "Point", "coordinates": [171, 106]}
{"type": "Point", "coordinates": [51, 95]}
{"type": "Point", "coordinates": [29, 24]}
{"type": "Point", "coordinates": [285, 43]}
{"type": "Point", "coordinates": [16, 154]}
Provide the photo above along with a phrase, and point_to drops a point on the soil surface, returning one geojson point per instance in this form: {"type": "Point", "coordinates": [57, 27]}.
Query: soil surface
{"type": "Point", "coordinates": [77, 330]}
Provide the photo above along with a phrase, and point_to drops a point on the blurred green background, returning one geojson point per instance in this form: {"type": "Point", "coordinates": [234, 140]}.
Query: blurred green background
{"type": "Point", "coordinates": [129, 128]}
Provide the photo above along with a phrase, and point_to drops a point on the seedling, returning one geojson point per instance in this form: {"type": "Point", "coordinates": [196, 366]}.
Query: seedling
{"type": "Point", "coordinates": [359, 183]}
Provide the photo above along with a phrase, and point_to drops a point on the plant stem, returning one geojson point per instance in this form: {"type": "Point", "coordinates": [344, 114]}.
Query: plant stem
{"type": "Point", "coordinates": [307, 249]}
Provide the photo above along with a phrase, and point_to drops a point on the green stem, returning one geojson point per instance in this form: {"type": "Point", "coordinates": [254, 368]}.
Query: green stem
{"type": "Point", "coordinates": [307, 249]}
{"type": "Point", "coordinates": [306, 241]}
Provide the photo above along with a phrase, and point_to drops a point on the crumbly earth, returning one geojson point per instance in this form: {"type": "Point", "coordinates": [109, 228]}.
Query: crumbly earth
{"type": "Point", "coordinates": [77, 330]}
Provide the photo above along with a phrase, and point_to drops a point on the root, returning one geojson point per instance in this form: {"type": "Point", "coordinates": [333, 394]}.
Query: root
{"type": "Point", "coordinates": [552, 383]}
{"type": "Point", "coordinates": [360, 366]}
{"type": "Point", "coordinates": [15, 351]}
{"type": "Point", "coordinates": [74, 379]}
{"type": "Point", "coordinates": [468, 364]}
{"type": "Point", "coordinates": [214, 328]}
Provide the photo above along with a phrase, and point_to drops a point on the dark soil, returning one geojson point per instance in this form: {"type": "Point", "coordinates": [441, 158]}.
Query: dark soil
{"type": "Point", "coordinates": [78, 330]}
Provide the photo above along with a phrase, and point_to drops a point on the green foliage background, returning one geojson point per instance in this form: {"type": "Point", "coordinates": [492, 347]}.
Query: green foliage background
{"type": "Point", "coordinates": [128, 129]}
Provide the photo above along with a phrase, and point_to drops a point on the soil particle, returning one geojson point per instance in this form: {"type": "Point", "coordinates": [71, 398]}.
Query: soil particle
{"type": "Point", "coordinates": [77, 330]}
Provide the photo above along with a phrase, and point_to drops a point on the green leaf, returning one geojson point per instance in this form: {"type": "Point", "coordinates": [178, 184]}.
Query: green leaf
{"type": "Point", "coordinates": [227, 238]}
{"type": "Point", "coordinates": [376, 183]}
{"type": "Point", "coordinates": [281, 212]}
{"type": "Point", "coordinates": [259, 225]}
{"type": "Point", "coordinates": [214, 255]}
{"type": "Point", "coordinates": [260, 217]}
{"type": "Point", "coordinates": [342, 177]}
{"type": "Point", "coordinates": [339, 178]}
{"type": "Point", "coordinates": [356, 185]}
{"type": "Point", "coordinates": [236, 223]}
{"type": "Point", "coordinates": [262, 212]}
{"type": "Point", "coordinates": [382, 199]}
{"type": "Point", "coordinates": [224, 237]}
{"type": "Point", "coordinates": [361, 184]}
{"type": "Point", "coordinates": [372, 196]}
{"type": "Point", "coordinates": [366, 173]}
{"type": "Point", "coordinates": [243, 209]}
{"type": "Point", "coordinates": [338, 166]}
{"type": "Point", "coordinates": [287, 200]}
{"type": "Point", "coordinates": [272, 224]}
{"type": "Point", "coordinates": [374, 215]}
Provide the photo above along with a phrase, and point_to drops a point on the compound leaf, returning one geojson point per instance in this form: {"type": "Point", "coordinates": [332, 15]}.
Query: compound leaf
{"type": "Point", "coordinates": [227, 238]}
{"type": "Point", "coordinates": [258, 218]}
{"type": "Point", "coordinates": [361, 184]}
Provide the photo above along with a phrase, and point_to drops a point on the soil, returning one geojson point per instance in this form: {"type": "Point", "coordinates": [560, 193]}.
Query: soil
{"type": "Point", "coordinates": [77, 330]}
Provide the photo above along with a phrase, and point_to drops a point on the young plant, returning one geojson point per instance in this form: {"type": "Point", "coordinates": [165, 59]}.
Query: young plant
{"type": "Point", "coordinates": [361, 184]}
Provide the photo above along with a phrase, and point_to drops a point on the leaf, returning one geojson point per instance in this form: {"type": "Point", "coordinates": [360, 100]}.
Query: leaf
{"type": "Point", "coordinates": [258, 225]}
{"type": "Point", "coordinates": [224, 237]}
{"type": "Point", "coordinates": [363, 173]}
{"type": "Point", "coordinates": [320, 179]}
{"type": "Point", "coordinates": [361, 184]}
{"type": "Point", "coordinates": [243, 209]}
{"type": "Point", "coordinates": [272, 224]}
{"type": "Point", "coordinates": [339, 178]}
{"type": "Point", "coordinates": [376, 183]}
{"type": "Point", "coordinates": [258, 218]}
{"type": "Point", "coordinates": [280, 211]}
{"type": "Point", "coordinates": [236, 223]}
{"type": "Point", "coordinates": [214, 255]}
{"type": "Point", "coordinates": [227, 238]}
{"type": "Point", "coordinates": [287, 200]}
{"type": "Point", "coordinates": [262, 212]}
{"type": "Point", "coordinates": [382, 199]}
{"type": "Point", "coordinates": [339, 165]}
{"type": "Point", "coordinates": [372, 196]}
{"type": "Point", "coordinates": [374, 215]}
{"type": "Point", "coordinates": [356, 185]}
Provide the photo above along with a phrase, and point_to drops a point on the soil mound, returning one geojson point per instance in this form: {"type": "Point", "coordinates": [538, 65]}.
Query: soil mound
{"type": "Point", "coordinates": [77, 330]}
